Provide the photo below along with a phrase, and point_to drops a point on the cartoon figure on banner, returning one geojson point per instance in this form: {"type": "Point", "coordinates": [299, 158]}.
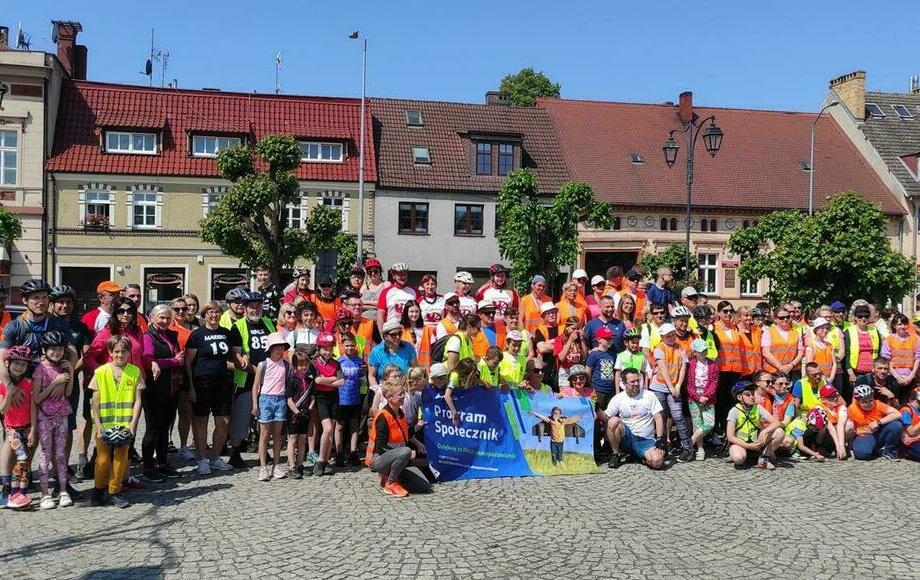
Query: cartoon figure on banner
{"type": "Point", "coordinates": [557, 425]}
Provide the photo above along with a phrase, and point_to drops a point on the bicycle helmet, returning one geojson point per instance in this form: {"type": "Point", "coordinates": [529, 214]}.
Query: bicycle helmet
{"type": "Point", "coordinates": [399, 267]}
{"type": "Point", "coordinates": [703, 311]}
{"type": "Point", "coordinates": [681, 311]}
{"type": "Point", "coordinates": [62, 291]}
{"type": "Point", "coordinates": [254, 296]}
{"type": "Point", "coordinates": [742, 386]}
{"type": "Point", "coordinates": [372, 263]}
{"type": "Point", "coordinates": [632, 333]}
{"type": "Point", "coordinates": [237, 294]}
{"type": "Point", "coordinates": [816, 419]}
{"type": "Point", "coordinates": [53, 338]}
{"type": "Point", "coordinates": [20, 352]}
{"type": "Point", "coordinates": [300, 271]}
{"type": "Point", "coordinates": [325, 339]}
{"type": "Point", "coordinates": [117, 436]}
{"type": "Point", "coordinates": [863, 392]}
{"type": "Point", "coordinates": [498, 269]}
{"type": "Point", "coordinates": [34, 285]}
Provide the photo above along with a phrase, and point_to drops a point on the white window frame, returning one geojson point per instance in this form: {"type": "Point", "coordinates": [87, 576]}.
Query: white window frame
{"type": "Point", "coordinates": [339, 201]}
{"type": "Point", "coordinates": [130, 149]}
{"type": "Point", "coordinates": [217, 143]}
{"type": "Point", "coordinates": [299, 206]}
{"type": "Point", "coordinates": [147, 197]}
{"type": "Point", "coordinates": [93, 190]}
{"type": "Point", "coordinates": [746, 287]}
{"type": "Point", "coordinates": [5, 152]}
{"type": "Point", "coordinates": [210, 197]}
{"type": "Point", "coordinates": [307, 157]}
{"type": "Point", "coordinates": [421, 155]}
{"type": "Point", "coordinates": [706, 269]}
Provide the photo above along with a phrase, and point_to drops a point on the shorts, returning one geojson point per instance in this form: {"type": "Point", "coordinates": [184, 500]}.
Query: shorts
{"type": "Point", "coordinates": [634, 444]}
{"type": "Point", "coordinates": [348, 413]}
{"type": "Point", "coordinates": [272, 408]}
{"type": "Point", "coordinates": [298, 424]}
{"type": "Point", "coordinates": [327, 404]}
{"type": "Point", "coordinates": [213, 396]}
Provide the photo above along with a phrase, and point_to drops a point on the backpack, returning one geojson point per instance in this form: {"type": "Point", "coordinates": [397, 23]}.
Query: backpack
{"type": "Point", "coordinates": [437, 348]}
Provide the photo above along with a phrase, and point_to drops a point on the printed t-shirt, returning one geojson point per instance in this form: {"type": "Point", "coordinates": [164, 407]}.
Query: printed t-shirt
{"type": "Point", "coordinates": [212, 347]}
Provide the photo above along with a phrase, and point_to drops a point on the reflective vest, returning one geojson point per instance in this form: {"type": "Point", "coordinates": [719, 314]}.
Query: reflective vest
{"type": "Point", "coordinates": [326, 308]}
{"type": "Point", "coordinates": [466, 347]}
{"type": "Point", "coordinates": [778, 411]}
{"type": "Point", "coordinates": [398, 435]}
{"type": "Point", "coordinates": [729, 350]}
{"type": "Point", "coordinates": [226, 319]}
{"type": "Point", "coordinates": [567, 309]}
{"type": "Point", "coordinates": [423, 349]}
{"type": "Point", "coordinates": [239, 376]}
{"type": "Point", "coordinates": [449, 325]}
{"type": "Point", "coordinates": [686, 343]}
{"type": "Point", "coordinates": [481, 342]}
{"type": "Point", "coordinates": [489, 376]}
{"type": "Point", "coordinates": [809, 396]}
{"type": "Point", "coordinates": [834, 336]}
{"type": "Point", "coordinates": [639, 297]}
{"type": "Point", "coordinates": [747, 426]}
{"type": "Point", "coordinates": [530, 307]}
{"type": "Point", "coordinates": [360, 344]}
{"type": "Point", "coordinates": [832, 414]}
{"type": "Point", "coordinates": [651, 331]}
{"type": "Point", "coordinates": [672, 361]}
{"type": "Point", "coordinates": [751, 355]}
{"type": "Point", "coordinates": [116, 401]}
{"type": "Point", "coordinates": [4, 320]}
{"type": "Point", "coordinates": [853, 334]}
{"type": "Point", "coordinates": [511, 369]}
{"type": "Point", "coordinates": [366, 331]}
{"type": "Point", "coordinates": [902, 351]}
{"type": "Point", "coordinates": [824, 357]}
{"type": "Point", "coordinates": [784, 349]}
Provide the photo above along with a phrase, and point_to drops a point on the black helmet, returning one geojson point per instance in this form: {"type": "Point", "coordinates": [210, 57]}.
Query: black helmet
{"type": "Point", "coordinates": [237, 294]}
{"type": "Point", "coordinates": [253, 297]}
{"type": "Point", "coordinates": [62, 291]}
{"type": "Point", "coordinates": [53, 338]}
{"type": "Point", "coordinates": [34, 285]}
{"type": "Point", "coordinates": [702, 311]}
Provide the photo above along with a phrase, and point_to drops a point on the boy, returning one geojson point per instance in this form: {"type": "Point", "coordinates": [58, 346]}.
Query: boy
{"type": "Point", "coordinates": [354, 370]}
{"type": "Point", "coordinates": [511, 367]}
{"type": "Point", "coordinates": [557, 427]}
{"type": "Point", "coordinates": [751, 430]}
{"type": "Point", "coordinates": [631, 358]}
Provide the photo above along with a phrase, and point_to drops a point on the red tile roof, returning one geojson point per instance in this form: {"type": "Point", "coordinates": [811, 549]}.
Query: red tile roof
{"type": "Point", "coordinates": [758, 166]}
{"type": "Point", "coordinates": [88, 107]}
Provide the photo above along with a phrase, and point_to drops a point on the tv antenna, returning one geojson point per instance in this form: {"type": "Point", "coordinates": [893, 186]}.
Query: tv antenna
{"type": "Point", "coordinates": [23, 40]}
{"type": "Point", "coordinates": [278, 72]}
{"type": "Point", "coordinates": [158, 55]}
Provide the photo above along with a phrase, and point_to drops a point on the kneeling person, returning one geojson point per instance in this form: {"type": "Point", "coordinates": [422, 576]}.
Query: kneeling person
{"type": "Point", "coordinates": [634, 423]}
{"type": "Point", "coordinates": [751, 430]}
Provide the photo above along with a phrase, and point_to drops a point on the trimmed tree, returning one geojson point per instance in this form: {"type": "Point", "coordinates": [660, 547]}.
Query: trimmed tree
{"type": "Point", "coordinates": [10, 226]}
{"type": "Point", "coordinates": [538, 238]}
{"type": "Point", "coordinates": [841, 253]}
{"type": "Point", "coordinates": [250, 221]}
{"type": "Point", "coordinates": [527, 85]}
{"type": "Point", "coordinates": [673, 258]}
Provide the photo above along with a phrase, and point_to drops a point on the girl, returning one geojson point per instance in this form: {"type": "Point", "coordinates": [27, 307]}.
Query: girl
{"type": "Point", "coordinates": [328, 379]}
{"type": "Point", "coordinates": [300, 403]}
{"type": "Point", "coordinates": [412, 323]}
{"type": "Point", "coordinates": [488, 367]}
{"type": "Point", "coordinates": [702, 382]}
{"type": "Point", "coordinates": [20, 420]}
{"type": "Point", "coordinates": [51, 387]}
{"type": "Point", "coordinates": [305, 334]}
{"type": "Point", "coordinates": [414, 383]}
{"type": "Point", "coordinates": [269, 404]}
{"type": "Point", "coordinates": [570, 348]}
{"type": "Point", "coordinates": [464, 376]}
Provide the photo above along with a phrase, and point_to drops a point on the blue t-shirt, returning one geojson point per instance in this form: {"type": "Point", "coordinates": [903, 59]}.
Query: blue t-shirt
{"type": "Point", "coordinates": [353, 372]}
{"type": "Point", "coordinates": [22, 332]}
{"type": "Point", "coordinates": [380, 357]}
{"type": "Point", "coordinates": [615, 326]}
{"type": "Point", "coordinates": [602, 372]}
{"type": "Point", "coordinates": [656, 295]}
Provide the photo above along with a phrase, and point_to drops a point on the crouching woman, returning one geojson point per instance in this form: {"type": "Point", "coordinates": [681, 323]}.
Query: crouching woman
{"type": "Point", "coordinates": [390, 448]}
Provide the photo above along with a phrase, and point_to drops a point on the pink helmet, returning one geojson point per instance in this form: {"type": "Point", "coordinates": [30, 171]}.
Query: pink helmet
{"type": "Point", "coordinates": [325, 339]}
{"type": "Point", "coordinates": [817, 419]}
{"type": "Point", "coordinates": [19, 353]}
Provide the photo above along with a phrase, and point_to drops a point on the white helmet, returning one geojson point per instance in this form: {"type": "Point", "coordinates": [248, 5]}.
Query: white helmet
{"type": "Point", "coordinates": [680, 311]}
{"type": "Point", "coordinates": [464, 277]}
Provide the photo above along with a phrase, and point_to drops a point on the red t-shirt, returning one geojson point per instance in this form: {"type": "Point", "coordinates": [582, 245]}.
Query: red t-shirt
{"type": "Point", "coordinates": [329, 369]}
{"type": "Point", "coordinates": [18, 416]}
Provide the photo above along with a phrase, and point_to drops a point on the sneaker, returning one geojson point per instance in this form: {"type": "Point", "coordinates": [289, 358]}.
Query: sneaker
{"type": "Point", "coordinates": [65, 500]}
{"type": "Point", "coordinates": [340, 460]}
{"type": "Point", "coordinates": [615, 460]}
{"type": "Point", "coordinates": [700, 453]}
{"type": "Point", "coordinates": [394, 488]}
{"type": "Point", "coordinates": [134, 483]}
{"type": "Point", "coordinates": [319, 468]}
{"type": "Point", "coordinates": [98, 498]}
{"type": "Point", "coordinates": [73, 493]}
{"type": "Point", "coordinates": [236, 460]}
{"type": "Point", "coordinates": [328, 469]}
{"type": "Point", "coordinates": [204, 467]}
{"type": "Point", "coordinates": [311, 458]}
{"type": "Point", "coordinates": [47, 503]}
{"type": "Point", "coordinates": [279, 472]}
{"type": "Point", "coordinates": [383, 479]}
{"type": "Point", "coordinates": [685, 456]}
{"type": "Point", "coordinates": [265, 474]}
{"type": "Point", "coordinates": [296, 473]}
{"type": "Point", "coordinates": [354, 460]}
{"type": "Point", "coordinates": [797, 457]}
{"type": "Point", "coordinates": [120, 501]}
{"type": "Point", "coordinates": [220, 465]}
{"type": "Point", "coordinates": [169, 471]}
{"type": "Point", "coordinates": [154, 476]}
{"type": "Point", "coordinates": [18, 500]}
{"type": "Point", "coordinates": [890, 456]}
{"type": "Point", "coordinates": [186, 454]}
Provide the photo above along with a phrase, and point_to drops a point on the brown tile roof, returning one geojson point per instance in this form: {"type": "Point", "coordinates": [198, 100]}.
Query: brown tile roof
{"type": "Point", "coordinates": [445, 125]}
{"type": "Point", "coordinates": [758, 166]}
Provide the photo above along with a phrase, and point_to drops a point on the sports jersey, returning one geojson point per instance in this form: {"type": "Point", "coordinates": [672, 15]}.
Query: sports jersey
{"type": "Point", "coordinates": [432, 309]}
{"type": "Point", "coordinates": [392, 300]}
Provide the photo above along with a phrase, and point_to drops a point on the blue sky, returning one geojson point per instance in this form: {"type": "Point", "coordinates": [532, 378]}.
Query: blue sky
{"type": "Point", "coordinates": [767, 55]}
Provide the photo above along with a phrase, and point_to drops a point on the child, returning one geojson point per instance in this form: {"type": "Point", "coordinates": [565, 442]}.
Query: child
{"type": "Point", "coordinates": [702, 382]}
{"type": "Point", "coordinates": [822, 432]}
{"type": "Point", "coordinates": [326, 386]}
{"type": "Point", "coordinates": [354, 371]}
{"type": "Point", "coordinates": [414, 383]}
{"type": "Point", "coordinates": [601, 364]}
{"type": "Point", "coordinates": [514, 359]}
{"type": "Point", "coordinates": [20, 423]}
{"type": "Point", "coordinates": [631, 358]}
{"type": "Point", "coordinates": [51, 389]}
{"type": "Point", "coordinates": [299, 403]}
{"type": "Point", "coordinates": [751, 430]}
{"type": "Point", "coordinates": [269, 404]}
{"type": "Point", "coordinates": [488, 367]}
{"type": "Point", "coordinates": [557, 427]}
{"type": "Point", "coordinates": [116, 387]}
{"type": "Point", "coordinates": [464, 376]}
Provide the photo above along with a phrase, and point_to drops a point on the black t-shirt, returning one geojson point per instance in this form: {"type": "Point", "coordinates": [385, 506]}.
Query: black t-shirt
{"type": "Point", "coordinates": [80, 335]}
{"type": "Point", "coordinates": [297, 387]}
{"type": "Point", "coordinates": [258, 341]}
{"type": "Point", "coordinates": [20, 331]}
{"type": "Point", "coordinates": [549, 359]}
{"type": "Point", "coordinates": [212, 351]}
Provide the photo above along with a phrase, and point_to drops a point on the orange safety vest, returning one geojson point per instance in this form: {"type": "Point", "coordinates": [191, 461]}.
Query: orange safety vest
{"type": "Point", "coordinates": [824, 358]}
{"type": "Point", "coordinates": [784, 349]}
{"type": "Point", "coordinates": [481, 342]}
{"type": "Point", "coordinates": [729, 350]}
{"type": "Point", "coordinates": [778, 411]}
{"type": "Point", "coordinates": [832, 415]}
{"type": "Point", "coordinates": [327, 309]}
{"type": "Point", "coordinates": [567, 309]}
{"type": "Point", "coordinates": [530, 307]}
{"type": "Point", "coordinates": [673, 362]}
{"type": "Point", "coordinates": [366, 330]}
{"type": "Point", "coordinates": [902, 351]}
{"type": "Point", "coordinates": [4, 320]}
{"type": "Point", "coordinates": [182, 333]}
{"type": "Point", "coordinates": [686, 343]}
{"type": "Point", "coordinates": [449, 324]}
{"type": "Point", "coordinates": [424, 346]}
{"type": "Point", "coordinates": [398, 429]}
{"type": "Point", "coordinates": [751, 355]}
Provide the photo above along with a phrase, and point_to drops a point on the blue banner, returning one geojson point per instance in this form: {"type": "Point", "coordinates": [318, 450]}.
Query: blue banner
{"type": "Point", "coordinates": [511, 434]}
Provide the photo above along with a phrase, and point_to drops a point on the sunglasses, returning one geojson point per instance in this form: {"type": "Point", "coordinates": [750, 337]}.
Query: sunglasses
{"type": "Point", "coordinates": [862, 317]}
{"type": "Point", "coordinates": [659, 313]}
{"type": "Point", "coordinates": [782, 317]}
{"type": "Point", "coordinates": [394, 334]}
{"type": "Point", "coordinates": [728, 311]}
{"type": "Point", "coordinates": [578, 379]}
{"type": "Point", "coordinates": [126, 311]}
{"type": "Point", "coordinates": [185, 309]}
{"type": "Point", "coordinates": [486, 313]}
{"type": "Point", "coordinates": [768, 381]}
{"type": "Point", "coordinates": [290, 313]}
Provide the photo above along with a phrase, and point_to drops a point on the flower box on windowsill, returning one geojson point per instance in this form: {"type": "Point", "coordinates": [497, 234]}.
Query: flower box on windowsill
{"type": "Point", "coordinates": [96, 223]}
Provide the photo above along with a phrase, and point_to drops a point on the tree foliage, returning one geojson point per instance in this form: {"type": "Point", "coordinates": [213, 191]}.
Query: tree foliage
{"type": "Point", "coordinates": [841, 253]}
{"type": "Point", "coordinates": [250, 220]}
{"type": "Point", "coordinates": [538, 238]}
{"type": "Point", "coordinates": [674, 258]}
{"type": "Point", "coordinates": [527, 85]}
{"type": "Point", "coordinates": [10, 226]}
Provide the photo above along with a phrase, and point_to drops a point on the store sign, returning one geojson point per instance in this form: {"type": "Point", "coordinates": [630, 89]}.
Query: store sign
{"type": "Point", "coordinates": [231, 279]}
{"type": "Point", "coordinates": [164, 279]}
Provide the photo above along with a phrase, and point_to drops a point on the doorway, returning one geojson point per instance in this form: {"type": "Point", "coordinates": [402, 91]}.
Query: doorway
{"type": "Point", "coordinates": [84, 279]}
{"type": "Point", "coordinates": [598, 262]}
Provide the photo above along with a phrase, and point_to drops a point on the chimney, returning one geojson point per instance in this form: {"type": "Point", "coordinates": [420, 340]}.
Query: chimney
{"type": "Point", "coordinates": [851, 89]}
{"type": "Point", "coordinates": [4, 37]}
{"type": "Point", "coordinates": [685, 112]}
{"type": "Point", "coordinates": [72, 56]}
{"type": "Point", "coordinates": [498, 98]}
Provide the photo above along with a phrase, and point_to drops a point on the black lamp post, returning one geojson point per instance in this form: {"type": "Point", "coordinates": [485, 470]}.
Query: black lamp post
{"type": "Point", "coordinates": [712, 140]}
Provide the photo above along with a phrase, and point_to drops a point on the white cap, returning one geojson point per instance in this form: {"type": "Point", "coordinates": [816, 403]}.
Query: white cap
{"type": "Point", "coordinates": [514, 335]}
{"type": "Point", "coordinates": [579, 273]}
{"type": "Point", "coordinates": [464, 277]}
{"type": "Point", "coordinates": [449, 295]}
{"type": "Point", "coordinates": [689, 291]}
{"type": "Point", "coordinates": [819, 322]}
{"type": "Point", "coordinates": [597, 280]}
{"type": "Point", "coordinates": [437, 370]}
{"type": "Point", "coordinates": [390, 326]}
{"type": "Point", "coordinates": [485, 305]}
{"type": "Point", "coordinates": [666, 328]}
{"type": "Point", "coordinates": [546, 307]}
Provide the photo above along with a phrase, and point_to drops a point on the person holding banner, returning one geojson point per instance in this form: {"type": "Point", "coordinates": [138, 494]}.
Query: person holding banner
{"type": "Point", "coordinates": [460, 346]}
{"type": "Point", "coordinates": [389, 448]}
{"type": "Point", "coordinates": [635, 426]}
{"type": "Point", "coordinates": [533, 379]}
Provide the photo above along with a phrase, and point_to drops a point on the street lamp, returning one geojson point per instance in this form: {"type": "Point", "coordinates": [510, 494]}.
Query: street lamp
{"type": "Point", "coordinates": [4, 89]}
{"type": "Point", "coordinates": [355, 36]}
{"type": "Point", "coordinates": [712, 140]}
{"type": "Point", "coordinates": [811, 162]}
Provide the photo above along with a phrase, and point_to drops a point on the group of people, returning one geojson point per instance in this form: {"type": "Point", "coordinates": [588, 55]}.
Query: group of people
{"type": "Point", "coordinates": [336, 375]}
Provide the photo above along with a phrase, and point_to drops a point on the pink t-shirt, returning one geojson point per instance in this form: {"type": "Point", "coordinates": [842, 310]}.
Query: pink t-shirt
{"type": "Point", "coordinates": [274, 378]}
{"type": "Point", "coordinates": [18, 416]}
{"type": "Point", "coordinates": [864, 362]}
{"type": "Point", "coordinates": [50, 406]}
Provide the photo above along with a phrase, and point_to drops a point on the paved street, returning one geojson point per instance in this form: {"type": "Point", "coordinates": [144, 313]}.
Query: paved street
{"type": "Point", "coordinates": [696, 520]}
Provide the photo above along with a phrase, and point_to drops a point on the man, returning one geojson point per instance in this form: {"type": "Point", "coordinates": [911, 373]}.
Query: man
{"type": "Point", "coordinates": [660, 292]}
{"type": "Point", "coordinates": [301, 287]}
{"type": "Point", "coordinates": [634, 288]}
{"type": "Point", "coordinates": [107, 292]}
{"type": "Point", "coordinates": [689, 297]}
{"type": "Point", "coordinates": [797, 319]}
{"type": "Point", "coordinates": [545, 340]}
{"type": "Point", "coordinates": [634, 423]}
{"type": "Point", "coordinates": [782, 346]}
{"type": "Point", "coordinates": [392, 298]}
{"type": "Point", "coordinates": [451, 319]}
{"type": "Point", "coordinates": [496, 291]}
{"type": "Point", "coordinates": [236, 308]}
{"type": "Point", "coordinates": [249, 342]}
{"type": "Point", "coordinates": [360, 326]}
{"type": "Point", "coordinates": [491, 333]}
{"type": "Point", "coordinates": [608, 321]}
{"type": "Point", "coordinates": [806, 390]}
{"type": "Point", "coordinates": [887, 389]}
{"type": "Point", "coordinates": [133, 293]}
{"type": "Point", "coordinates": [877, 426]}
{"type": "Point", "coordinates": [268, 289]}
{"type": "Point", "coordinates": [839, 314]}
{"type": "Point", "coordinates": [614, 285]}
{"type": "Point", "coordinates": [463, 281]}
{"type": "Point", "coordinates": [529, 316]}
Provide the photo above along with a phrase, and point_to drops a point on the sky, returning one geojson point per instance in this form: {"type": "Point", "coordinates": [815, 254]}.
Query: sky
{"type": "Point", "coordinates": [762, 55]}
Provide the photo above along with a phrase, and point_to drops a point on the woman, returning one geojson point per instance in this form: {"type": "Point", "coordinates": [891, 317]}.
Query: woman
{"type": "Point", "coordinates": [530, 317]}
{"type": "Point", "coordinates": [902, 349]}
{"type": "Point", "coordinates": [569, 306]}
{"type": "Point", "coordinates": [287, 319]}
{"type": "Point", "coordinates": [430, 302]}
{"type": "Point", "coordinates": [373, 285]}
{"type": "Point", "coordinates": [819, 350]}
{"type": "Point", "coordinates": [730, 366]}
{"type": "Point", "coordinates": [626, 312]}
{"type": "Point", "coordinates": [124, 323]}
{"type": "Point", "coordinates": [191, 316]}
{"type": "Point", "coordinates": [749, 335]}
{"type": "Point", "coordinates": [861, 345]}
{"type": "Point", "coordinates": [305, 333]}
{"type": "Point", "coordinates": [209, 370]}
{"type": "Point", "coordinates": [593, 299]}
{"type": "Point", "coordinates": [389, 448]}
{"type": "Point", "coordinates": [181, 327]}
{"type": "Point", "coordinates": [355, 279]}
{"type": "Point", "coordinates": [412, 323]}
{"type": "Point", "coordinates": [161, 348]}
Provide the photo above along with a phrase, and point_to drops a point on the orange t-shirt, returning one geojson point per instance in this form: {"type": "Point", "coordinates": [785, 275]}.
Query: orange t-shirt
{"type": "Point", "coordinates": [861, 418]}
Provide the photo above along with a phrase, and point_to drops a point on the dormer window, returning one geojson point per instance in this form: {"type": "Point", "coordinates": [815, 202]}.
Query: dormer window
{"type": "Point", "coordinates": [319, 152]}
{"type": "Point", "coordinates": [133, 143]}
{"type": "Point", "coordinates": [494, 158]}
{"type": "Point", "coordinates": [414, 118]}
{"type": "Point", "coordinates": [211, 145]}
{"type": "Point", "coordinates": [421, 156]}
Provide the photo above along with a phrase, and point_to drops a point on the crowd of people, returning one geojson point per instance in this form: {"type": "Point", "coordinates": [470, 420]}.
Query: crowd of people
{"type": "Point", "coordinates": [336, 376]}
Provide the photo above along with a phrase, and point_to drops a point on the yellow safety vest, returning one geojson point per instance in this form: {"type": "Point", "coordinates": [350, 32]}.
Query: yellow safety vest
{"type": "Point", "coordinates": [116, 401]}
{"type": "Point", "coordinates": [239, 377]}
{"type": "Point", "coordinates": [747, 427]}
{"type": "Point", "coordinates": [853, 332]}
{"type": "Point", "coordinates": [809, 396]}
{"type": "Point", "coordinates": [466, 347]}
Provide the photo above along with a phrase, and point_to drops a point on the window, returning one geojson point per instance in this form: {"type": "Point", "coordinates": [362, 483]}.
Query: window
{"type": "Point", "coordinates": [750, 287]}
{"type": "Point", "coordinates": [145, 210]}
{"type": "Point", "coordinates": [708, 272]}
{"type": "Point", "coordinates": [704, 225]}
{"type": "Point", "coordinates": [8, 152]}
{"type": "Point", "coordinates": [467, 219]}
{"type": "Point", "coordinates": [316, 152]}
{"type": "Point", "coordinates": [340, 204]}
{"type": "Point", "coordinates": [873, 110]}
{"type": "Point", "coordinates": [413, 218]}
{"type": "Point", "coordinates": [294, 216]}
{"type": "Point", "coordinates": [136, 143]}
{"type": "Point", "coordinates": [664, 224]}
{"type": "Point", "coordinates": [98, 208]}
{"type": "Point", "coordinates": [673, 224]}
{"type": "Point", "coordinates": [209, 146]}
{"type": "Point", "coordinates": [421, 156]}
{"type": "Point", "coordinates": [161, 285]}
{"type": "Point", "coordinates": [211, 201]}
{"type": "Point", "coordinates": [414, 118]}
{"type": "Point", "coordinates": [484, 158]}
{"type": "Point", "coordinates": [902, 111]}
{"type": "Point", "coordinates": [505, 158]}
{"type": "Point", "coordinates": [708, 225]}
{"type": "Point", "coordinates": [617, 224]}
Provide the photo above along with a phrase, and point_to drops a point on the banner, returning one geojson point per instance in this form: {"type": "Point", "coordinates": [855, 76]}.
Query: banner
{"type": "Point", "coordinates": [507, 434]}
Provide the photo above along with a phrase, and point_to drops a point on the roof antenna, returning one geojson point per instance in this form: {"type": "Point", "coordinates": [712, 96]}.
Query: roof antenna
{"type": "Point", "coordinates": [156, 55]}
{"type": "Point", "coordinates": [278, 72]}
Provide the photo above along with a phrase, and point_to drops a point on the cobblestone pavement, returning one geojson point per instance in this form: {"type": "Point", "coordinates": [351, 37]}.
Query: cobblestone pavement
{"type": "Point", "coordinates": [843, 520]}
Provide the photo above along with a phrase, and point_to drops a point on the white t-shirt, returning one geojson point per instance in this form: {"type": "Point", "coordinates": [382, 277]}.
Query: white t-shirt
{"type": "Point", "coordinates": [636, 412]}
{"type": "Point", "coordinates": [302, 336]}
{"type": "Point", "coordinates": [452, 344]}
{"type": "Point", "coordinates": [393, 298]}
{"type": "Point", "coordinates": [432, 310]}
{"type": "Point", "coordinates": [468, 305]}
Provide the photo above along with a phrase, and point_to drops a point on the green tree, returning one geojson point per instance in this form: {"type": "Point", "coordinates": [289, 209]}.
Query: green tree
{"type": "Point", "coordinates": [10, 226]}
{"type": "Point", "coordinates": [673, 258]}
{"type": "Point", "coordinates": [538, 238]}
{"type": "Point", "coordinates": [527, 85]}
{"type": "Point", "coordinates": [250, 222]}
{"type": "Point", "coordinates": [841, 253]}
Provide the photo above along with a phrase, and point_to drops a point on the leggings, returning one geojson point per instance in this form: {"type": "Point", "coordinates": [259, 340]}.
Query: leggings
{"type": "Point", "coordinates": [674, 408]}
{"type": "Point", "coordinates": [395, 463]}
{"type": "Point", "coordinates": [159, 413]}
{"type": "Point", "coordinates": [52, 434]}
{"type": "Point", "coordinates": [702, 416]}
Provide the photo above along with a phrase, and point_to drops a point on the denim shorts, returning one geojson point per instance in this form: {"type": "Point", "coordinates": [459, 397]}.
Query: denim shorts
{"type": "Point", "coordinates": [272, 408]}
{"type": "Point", "coordinates": [635, 445]}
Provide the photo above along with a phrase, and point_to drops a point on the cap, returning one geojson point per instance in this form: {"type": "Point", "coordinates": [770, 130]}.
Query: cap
{"type": "Point", "coordinates": [699, 345]}
{"type": "Point", "coordinates": [819, 322]}
{"type": "Point", "coordinates": [538, 279]}
{"type": "Point", "coordinates": [325, 339]}
{"type": "Point", "coordinates": [274, 339]}
{"type": "Point", "coordinates": [688, 291]}
{"type": "Point", "coordinates": [451, 296]}
{"type": "Point", "coordinates": [485, 305]}
{"type": "Point", "coordinates": [437, 370]}
{"type": "Point", "coordinates": [828, 392]}
{"type": "Point", "coordinates": [838, 306]}
{"type": "Point", "coordinates": [597, 279]}
{"type": "Point", "coordinates": [546, 307]}
{"type": "Point", "coordinates": [372, 263]}
{"type": "Point", "coordinates": [603, 332]}
{"type": "Point", "coordinates": [464, 277]}
{"type": "Point", "coordinates": [514, 335]}
{"type": "Point", "coordinates": [666, 328]}
{"type": "Point", "coordinates": [390, 326]}
{"type": "Point", "coordinates": [579, 273]}
{"type": "Point", "coordinates": [107, 286]}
